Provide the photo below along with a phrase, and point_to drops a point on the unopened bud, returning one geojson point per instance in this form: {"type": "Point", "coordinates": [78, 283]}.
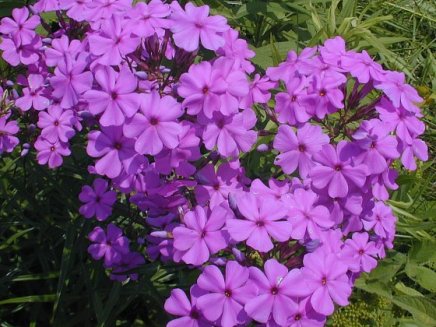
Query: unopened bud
{"type": "Point", "coordinates": [262, 147]}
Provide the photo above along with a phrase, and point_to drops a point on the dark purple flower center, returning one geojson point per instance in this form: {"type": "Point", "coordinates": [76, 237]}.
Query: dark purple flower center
{"type": "Point", "coordinates": [324, 281]}
{"type": "Point", "coordinates": [97, 198]}
{"type": "Point", "coordinates": [194, 314]}
{"type": "Point", "coordinates": [228, 293]}
{"type": "Point", "coordinates": [322, 92]}
{"type": "Point", "coordinates": [220, 123]}
{"type": "Point", "coordinates": [216, 187]}
{"type": "Point", "coordinates": [260, 223]}
{"type": "Point", "coordinates": [118, 146]}
{"type": "Point", "coordinates": [154, 121]}
{"type": "Point", "coordinates": [198, 25]}
{"type": "Point", "coordinates": [373, 144]}
{"type": "Point", "coordinates": [274, 290]}
{"type": "Point", "coordinates": [56, 123]}
{"type": "Point", "coordinates": [203, 234]}
{"type": "Point", "coordinates": [378, 218]}
{"type": "Point", "coordinates": [52, 148]}
{"type": "Point", "coordinates": [302, 148]}
{"type": "Point", "coordinates": [294, 98]}
{"type": "Point", "coordinates": [361, 251]}
{"type": "Point", "coordinates": [338, 167]}
{"type": "Point", "coordinates": [205, 90]}
{"type": "Point", "coordinates": [297, 317]}
{"type": "Point", "coordinates": [114, 95]}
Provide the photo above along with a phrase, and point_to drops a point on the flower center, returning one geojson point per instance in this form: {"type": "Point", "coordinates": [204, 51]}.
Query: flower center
{"type": "Point", "coordinates": [297, 317]}
{"type": "Point", "coordinates": [361, 251]}
{"type": "Point", "coordinates": [114, 95]}
{"type": "Point", "coordinates": [294, 98]}
{"type": "Point", "coordinates": [216, 187]}
{"type": "Point", "coordinates": [274, 290]}
{"type": "Point", "coordinates": [117, 146]}
{"type": "Point", "coordinates": [52, 148]}
{"type": "Point", "coordinates": [205, 90]}
{"type": "Point", "coordinates": [154, 121]}
{"type": "Point", "coordinates": [56, 123]}
{"type": "Point", "coordinates": [228, 293]}
{"type": "Point", "coordinates": [302, 148]}
{"type": "Point", "coordinates": [194, 314]}
{"type": "Point", "coordinates": [338, 167]}
{"type": "Point", "coordinates": [322, 92]}
{"type": "Point", "coordinates": [260, 223]}
{"type": "Point", "coordinates": [324, 281]}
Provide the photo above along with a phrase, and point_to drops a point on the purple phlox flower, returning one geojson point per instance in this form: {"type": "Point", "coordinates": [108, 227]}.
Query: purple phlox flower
{"type": "Point", "coordinates": [76, 9]}
{"type": "Point", "coordinates": [179, 305]}
{"type": "Point", "coordinates": [192, 25]}
{"type": "Point", "coordinates": [316, 66]}
{"type": "Point", "coordinates": [97, 200]}
{"type": "Point", "coordinates": [324, 96]}
{"type": "Point", "coordinates": [100, 11]}
{"type": "Point", "coordinates": [150, 18]}
{"type": "Point", "coordinates": [306, 217]}
{"type": "Point", "coordinates": [214, 187]}
{"type": "Point", "coordinates": [115, 152]}
{"type": "Point", "coordinates": [361, 66]}
{"type": "Point", "coordinates": [263, 219]}
{"type": "Point", "coordinates": [278, 289]}
{"type": "Point", "coordinates": [111, 246]}
{"type": "Point", "coordinates": [45, 6]}
{"type": "Point", "coordinates": [203, 234]}
{"type": "Point", "coordinates": [117, 98]}
{"type": "Point", "coordinates": [187, 150]}
{"type": "Point", "coordinates": [381, 220]}
{"type": "Point", "coordinates": [279, 190]}
{"type": "Point", "coordinates": [259, 92]}
{"type": "Point", "coordinates": [227, 295]}
{"type": "Point", "coordinates": [51, 152]}
{"type": "Point", "coordinates": [340, 207]}
{"type": "Point", "coordinates": [230, 134]}
{"type": "Point", "coordinates": [416, 148]}
{"type": "Point", "coordinates": [297, 149]}
{"type": "Point", "coordinates": [7, 131]}
{"type": "Point", "coordinates": [22, 27]}
{"type": "Point", "coordinates": [333, 51]}
{"type": "Point", "coordinates": [337, 170]}
{"type": "Point", "coordinates": [62, 50]}
{"type": "Point", "coordinates": [400, 93]}
{"type": "Point", "coordinates": [129, 261]}
{"type": "Point", "coordinates": [26, 54]}
{"type": "Point", "coordinates": [155, 126]}
{"type": "Point", "coordinates": [327, 280]}
{"type": "Point", "coordinates": [70, 80]}
{"type": "Point", "coordinates": [377, 144]}
{"type": "Point", "coordinates": [33, 95]}
{"type": "Point", "coordinates": [57, 123]}
{"type": "Point", "coordinates": [201, 87]}
{"type": "Point", "coordinates": [382, 182]}
{"type": "Point", "coordinates": [115, 41]}
{"type": "Point", "coordinates": [288, 104]}
{"type": "Point", "coordinates": [305, 316]}
{"type": "Point", "coordinates": [405, 124]}
{"type": "Point", "coordinates": [287, 69]}
{"type": "Point", "coordinates": [360, 253]}
{"type": "Point", "coordinates": [238, 50]}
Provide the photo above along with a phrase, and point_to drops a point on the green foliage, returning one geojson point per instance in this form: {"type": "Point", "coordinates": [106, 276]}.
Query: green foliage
{"type": "Point", "coordinates": [46, 277]}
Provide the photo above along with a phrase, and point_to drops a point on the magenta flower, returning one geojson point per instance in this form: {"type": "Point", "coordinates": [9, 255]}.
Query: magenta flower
{"type": "Point", "coordinates": [150, 18]}
{"type": "Point", "coordinates": [202, 87]}
{"type": "Point", "coordinates": [70, 80]}
{"type": "Point", "coordinates": [237, 49]}
{"type": "Point", "coordinates": [326, 278]}
{"type": "Point", "coordinates": [203, 234]}
{"type": "Point", "coordinates": [21, 27]}
{"type": "Point", "coordinates": [400, 93]}
{"type": "Point", "coordinates": [123, 270]}
{"type": "Point", "coordinates": [289, 105]}
{"type": "Point", "coordinates": [79, 10]}
{"type": "Point", "coordinates": [57, 124]}
{"type": "Point", "coordinates": [259, 92]}
{"type": "Point", "coordinates": [114, 43]}
{"type": "Point", "coordinates": [305, 316]}
{"type": "Point", "coordinates": [192, 25]}
{"type": "Point", "coordinates": [325, 96]}
{"type": "Point", "coordinates": [227, 295]}
{"type": "Point", "coordinates": [416, 148]}
{"type": "Point", "coordinates": [61, 50]}
{"type": "Point", "coordinates": [230, 134]}
{"type": "Point", "coordinates": [97, 200]}
{"type": "Point", "coordinates": [179, 305]}
{"type": "Point", "coordinates": [213, 188]}
{"type": "Point", "coordinates": [116, 99]}
{"type": "Point", "coordinates": [156, 125]}
{"type": "Point", "coordinates": [34, 94]}
{"type": "Point", "coordinates": [111, 245]}
{"type": "Point", "coordinates": [337, 171]}
{"type": "Point", "coordinates": [306, 217]}
{"type": "Point", "coordinates": [361, 66]}
{"type": "Point", "coordinates": [115, 152]}
{"type": "Point", "coordinates": [377, 144]}
{"type": "Point", "coordinates": [14, 53]}
{"type": "Point", "coordinates": [333, 51]}
{"type": "Point", "coordinates": [297, 149]}
{"type": "Point", "coordinates": [263, 220]}
{"type": "Point", "coordinates": [7, 131]}
{"type": "Point", "coordinates": [360, 253]}
{"type": "Point", "coordinates": [278, 289]}
{"type": "Point", "coordinates": [381, 220]}
{"type": "Point", "coordinates": [51, 152]}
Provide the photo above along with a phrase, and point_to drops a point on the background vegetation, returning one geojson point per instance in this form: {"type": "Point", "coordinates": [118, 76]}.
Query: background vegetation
{"type": "Point", "coordinates": [46, 276]}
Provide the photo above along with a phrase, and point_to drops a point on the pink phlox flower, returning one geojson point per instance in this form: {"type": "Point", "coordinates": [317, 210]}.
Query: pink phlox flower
{"type": "Point", "coordinates": [26, 54]}
{"type": "Point", "coordinates": [150, 18]}
{"type": "Point", "coordinates": [98, 200]}
{"type": "Point", "coordinates": [363, 67]}
{"type": "Point", "coordinates": [51, 153]}
{"type": "Point", "coordinates": [35, 95]}
{"type": "Point", "coordinates": [57, 123]}
{"type": "Point", "coordinates": [288, 104]}
{"type": "Point", "coordinates": [7, 131]}
{"type": "Point", "coordinates": [381, 220]}
{"type": "Point", "coordinates": [22, 27]}
{"type": "Point", "coordinates": [259, 92]}
{"type": "Point", "coordinates": [360, 253]}
{"type": "Point", "coordinates": [238, 50]}
{"type": "Point", "coordinates": [62, 50]}
{"type": "Point", "coordinates": [79, 10]}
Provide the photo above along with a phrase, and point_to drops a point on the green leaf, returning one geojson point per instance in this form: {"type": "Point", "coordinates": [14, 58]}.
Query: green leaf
{"type": "Point", "coordinates": [422, 309]}
{"type": "Point", "coordinates": [422, 275]}
{"type": "Point", "coordinates": [266, 55]}
{"type": "Point", "coordinates": [406, 290]}
{"type": "Point", "coordinates": [30, 299]}
{"type": "Point", "coordinates": [423, 251]}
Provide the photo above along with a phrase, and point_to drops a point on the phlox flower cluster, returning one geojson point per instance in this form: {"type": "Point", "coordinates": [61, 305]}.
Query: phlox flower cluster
{"type": "Point", "coordinates": [170, 133]}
